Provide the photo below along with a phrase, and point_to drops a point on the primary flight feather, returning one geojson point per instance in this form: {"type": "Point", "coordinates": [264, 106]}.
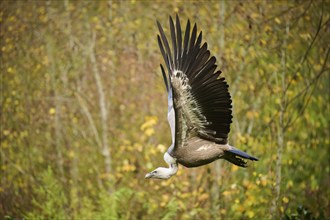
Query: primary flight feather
{"type": "Point", "coordinates": [199, 103]}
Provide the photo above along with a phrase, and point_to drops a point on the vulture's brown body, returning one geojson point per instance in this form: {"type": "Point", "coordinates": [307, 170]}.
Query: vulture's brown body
{"type": "Point", "coordinates": [197, 152]}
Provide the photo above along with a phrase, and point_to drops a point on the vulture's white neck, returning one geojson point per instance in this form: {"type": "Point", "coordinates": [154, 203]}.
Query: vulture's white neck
{"type": "Point", "coordinates": [173, 165]}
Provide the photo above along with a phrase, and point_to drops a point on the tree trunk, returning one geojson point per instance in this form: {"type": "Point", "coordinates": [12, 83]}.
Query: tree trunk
{"type": "Point", "coordinates": [280, 131]}
{"type": "Point", "coordinates": [103, 109]}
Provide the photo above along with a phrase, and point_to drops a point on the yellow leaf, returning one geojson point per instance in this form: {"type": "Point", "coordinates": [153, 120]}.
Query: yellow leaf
{"type": "Point", "coordinates": [255, 15]}
{"type": "Point", "coordinates": [149, 131]}
{"type": "Point", "coordinates": [71, 154]}
{"type": "Point", "coordinates": [150, 121]}
{"type": "Point", "coordinates": [285, 199]}
{"type": "Point", "coordinates": [278, 101]}
{"type": "Point", "coordinates": [10, 70]}
{"type": "Point", "coordinates": [262, 42]}
{"type": "Point", "coordinates": [250, 214]}
{"type": "Point", "coordinates": [264, 181]}
{"type": "Point", "coordinates": [6, 132]}
{"type": "Point", "coordinates": [249, 115]}
{"type": "Point", "coordinates": [52, 111]}
{"type": "Point", "coordinates": [161, 147]}
{"type": "Point", "coordinates": [277, 20]}
{"type": "Point", "coordinates": [203, 197]}
{"type": "Point", "coordinates": [226, 193]}
{"type": "Point", "coordinates": [234, 168]}
{"type": "Point", "coordinates": [267, 28]}
{"type": "Point", "coordinates": [289, 184]}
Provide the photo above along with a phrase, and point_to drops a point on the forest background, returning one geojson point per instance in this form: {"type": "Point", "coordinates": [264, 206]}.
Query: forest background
{"type": "Point", "coordinates": [83, 110]}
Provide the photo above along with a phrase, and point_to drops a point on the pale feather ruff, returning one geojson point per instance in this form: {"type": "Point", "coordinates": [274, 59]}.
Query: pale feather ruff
{"type": "Point", "coordinates": [173, 165]}
{"type": "Point", "coordinates": [169, 159]}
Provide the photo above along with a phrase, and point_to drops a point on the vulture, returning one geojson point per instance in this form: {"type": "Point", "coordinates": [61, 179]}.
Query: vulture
{"type": "Point", "coordinates": [199, 103]}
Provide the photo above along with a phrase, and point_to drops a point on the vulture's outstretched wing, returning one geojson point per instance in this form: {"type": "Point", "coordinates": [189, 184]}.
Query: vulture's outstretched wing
{"type": "Point", "coordinates": [199, 101]}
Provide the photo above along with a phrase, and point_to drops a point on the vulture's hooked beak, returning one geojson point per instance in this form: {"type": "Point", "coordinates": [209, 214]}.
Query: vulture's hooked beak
{"type": "Point", "coordinates": [149, 175]}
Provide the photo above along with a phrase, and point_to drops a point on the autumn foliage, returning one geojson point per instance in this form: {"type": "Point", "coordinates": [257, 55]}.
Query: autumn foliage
{"type": "Point", "coordinates": [83, 110]}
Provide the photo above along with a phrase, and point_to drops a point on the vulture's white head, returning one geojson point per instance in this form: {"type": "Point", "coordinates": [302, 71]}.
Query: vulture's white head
{"type": "Point", "coordinates": [162, 172]}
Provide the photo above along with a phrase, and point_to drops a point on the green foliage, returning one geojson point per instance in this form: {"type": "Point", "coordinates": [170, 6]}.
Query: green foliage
{"type": "Point", "coordinates": [83, 110]}
{"type": "Point", "coordinates": [114, 206]}
{"type": "Point", "coordinates": [171, 210]}
{"type": "Point", "coordinates": [50, 201]}
{"type": "Point", "coordinates": [303, 214]}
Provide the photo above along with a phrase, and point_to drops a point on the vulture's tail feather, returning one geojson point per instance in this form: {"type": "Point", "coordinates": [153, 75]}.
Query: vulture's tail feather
{"type": "Point", "coordinates": [235, 156]}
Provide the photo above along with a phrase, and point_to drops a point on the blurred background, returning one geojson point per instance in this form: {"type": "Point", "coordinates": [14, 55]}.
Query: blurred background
{"type": "Point", "coordinates": [83, 110]}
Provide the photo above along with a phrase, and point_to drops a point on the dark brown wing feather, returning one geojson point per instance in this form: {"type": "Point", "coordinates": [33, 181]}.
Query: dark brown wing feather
{"type": "Point", "coordinates": [209, 90]}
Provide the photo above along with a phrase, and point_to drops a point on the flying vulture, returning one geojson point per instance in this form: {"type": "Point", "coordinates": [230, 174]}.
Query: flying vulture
{"type": "Point", "coordinates": [199, 104]}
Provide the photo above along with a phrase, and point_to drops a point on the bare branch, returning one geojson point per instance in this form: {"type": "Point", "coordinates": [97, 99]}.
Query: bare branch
{"type": "Point", "coordinates": [283, 13]}
{"type": "Point", "coordinates": [103, 106]}
{"type": "Point", "coordinates": [305, 55]}
{"type": "Point", "coordinates": [305, 90]}
{"type": "Point", "coordinates": [89, 117]}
